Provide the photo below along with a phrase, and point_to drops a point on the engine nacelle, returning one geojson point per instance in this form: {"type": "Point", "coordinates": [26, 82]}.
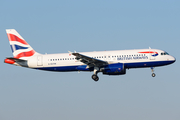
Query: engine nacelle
{"type": "Point", "coordinates": [114, 69]}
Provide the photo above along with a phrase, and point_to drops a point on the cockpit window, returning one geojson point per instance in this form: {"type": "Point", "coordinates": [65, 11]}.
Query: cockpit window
{"type": "Point", "coordinates": [167, 53]}
{"type": "Point", "coordinates": [164, 53]}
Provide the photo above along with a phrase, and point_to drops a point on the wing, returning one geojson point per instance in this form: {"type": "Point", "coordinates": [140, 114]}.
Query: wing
{"type": "Point", "coordinates": [89, 61]}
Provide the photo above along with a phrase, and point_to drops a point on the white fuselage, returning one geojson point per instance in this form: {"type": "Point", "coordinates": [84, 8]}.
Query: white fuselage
{"type": "Point", "coordinates": [107, 62]}
{"type": "Point", "coordinates": [130, 58]}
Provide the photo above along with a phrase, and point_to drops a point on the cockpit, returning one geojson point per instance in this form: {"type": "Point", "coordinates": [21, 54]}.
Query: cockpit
{"type": "Point", "coordinates": [164, 53]}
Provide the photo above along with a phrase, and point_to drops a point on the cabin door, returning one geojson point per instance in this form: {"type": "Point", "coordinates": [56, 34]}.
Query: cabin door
{"type": "Point", "coordinates": [39, 60]}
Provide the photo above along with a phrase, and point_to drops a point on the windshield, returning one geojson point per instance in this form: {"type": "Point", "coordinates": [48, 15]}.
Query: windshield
{"type": "Point", "coordinates": [164, 53]}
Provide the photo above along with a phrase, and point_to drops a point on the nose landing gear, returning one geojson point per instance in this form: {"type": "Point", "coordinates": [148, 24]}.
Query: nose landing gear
{"type": "Point", "coordinates": [152, 70]}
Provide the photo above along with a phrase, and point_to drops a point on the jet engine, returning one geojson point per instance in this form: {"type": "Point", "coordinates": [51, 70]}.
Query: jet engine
{"type": "Point", "coordinates": [114, 69]}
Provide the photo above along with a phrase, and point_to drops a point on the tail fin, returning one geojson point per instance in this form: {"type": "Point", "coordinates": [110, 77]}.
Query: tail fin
{"type": "Point", "coordinates": [20, 48]}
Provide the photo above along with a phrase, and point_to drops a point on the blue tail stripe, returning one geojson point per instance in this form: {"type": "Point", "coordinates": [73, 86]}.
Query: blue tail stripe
{"type": "Point", "coordinates": [20, 47]}
{"type": "Point", "coordinates": [12, 48]}
{"type": "Point", "coordinates": [17, 47]}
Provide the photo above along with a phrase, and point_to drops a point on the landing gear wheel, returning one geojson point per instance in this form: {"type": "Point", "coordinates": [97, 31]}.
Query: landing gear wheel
{"type": "Point", "coordinates": [153, 74]}
{"type": "Point", "coordinates": [95, 77]}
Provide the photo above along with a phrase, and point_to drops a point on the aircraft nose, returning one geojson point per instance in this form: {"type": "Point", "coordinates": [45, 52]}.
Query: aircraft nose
{"type": "Point", "coordinates": [173, 59]}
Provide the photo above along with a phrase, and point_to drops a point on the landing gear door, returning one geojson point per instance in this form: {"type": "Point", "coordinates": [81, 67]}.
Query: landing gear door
{"type": "Point", "coordinates": [40, 60]}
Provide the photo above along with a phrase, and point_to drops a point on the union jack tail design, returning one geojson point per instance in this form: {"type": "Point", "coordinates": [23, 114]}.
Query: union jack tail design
{"type": "Point", "coordinates": [20, 48]}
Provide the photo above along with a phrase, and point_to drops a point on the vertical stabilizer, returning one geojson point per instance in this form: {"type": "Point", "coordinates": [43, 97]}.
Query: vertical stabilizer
{"type": "Point", "coordinates": [20, 48]}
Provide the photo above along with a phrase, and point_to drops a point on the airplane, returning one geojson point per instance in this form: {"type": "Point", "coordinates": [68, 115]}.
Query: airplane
{"type": "Point", "coordinates": [107, 62]}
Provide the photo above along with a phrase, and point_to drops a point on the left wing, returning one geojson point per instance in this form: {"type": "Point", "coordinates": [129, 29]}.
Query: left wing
{"type": "Point", "coordinates": [89, 61]}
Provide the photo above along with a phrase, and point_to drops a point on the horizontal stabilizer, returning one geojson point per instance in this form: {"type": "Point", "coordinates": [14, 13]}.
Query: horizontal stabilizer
{"type": "Point", "coordinates": [15, 59]}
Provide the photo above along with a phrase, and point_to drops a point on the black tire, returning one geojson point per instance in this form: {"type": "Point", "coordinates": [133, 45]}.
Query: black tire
{"type": "Point", "coordinates": [95, 77]}
{"type": "Point", "coordinates": [153, 74]}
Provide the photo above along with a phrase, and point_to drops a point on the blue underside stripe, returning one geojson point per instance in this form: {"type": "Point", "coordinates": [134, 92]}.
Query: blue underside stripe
{"type": "Point", "coordinates": [126, 65]}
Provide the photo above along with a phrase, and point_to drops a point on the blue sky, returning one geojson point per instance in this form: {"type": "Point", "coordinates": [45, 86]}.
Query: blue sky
{"type": "Point", "coordinates": [58, 26]}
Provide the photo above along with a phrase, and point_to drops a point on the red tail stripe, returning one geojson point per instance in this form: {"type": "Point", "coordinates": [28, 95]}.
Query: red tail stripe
{"type": "Point", "coordinates": [15, 38]}
{"type": "Point", "coordinates": [25, 54]}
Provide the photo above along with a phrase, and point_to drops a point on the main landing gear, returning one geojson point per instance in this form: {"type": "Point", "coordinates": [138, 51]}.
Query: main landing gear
{"type": "Point", "coordinates": [94, 76]}
{"type": "Point", "coordinates": [152, 70]}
